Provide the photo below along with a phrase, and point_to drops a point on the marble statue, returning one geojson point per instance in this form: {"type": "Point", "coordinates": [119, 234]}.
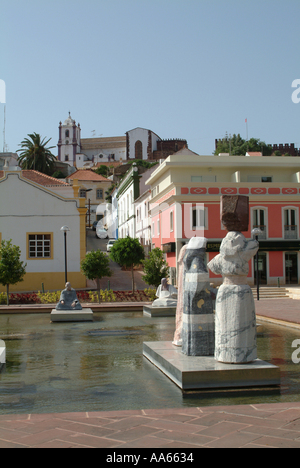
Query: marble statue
{"type": "Point", "coordinates": [68, 299]}
{"type": "Point", "coordinates": [235, 321]}
{"type": "Point", "coordinates": [167, 295]}
{"type": "Point", "coordinates": [198, 318]}
{"type": "Point", "coordinates": [177, 341]}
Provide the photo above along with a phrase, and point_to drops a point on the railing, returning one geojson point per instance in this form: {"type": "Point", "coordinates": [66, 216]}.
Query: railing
{"type": "Point", "coordinates": [263, 228]}
{"type": "Point", "coordinates": [290, 231]}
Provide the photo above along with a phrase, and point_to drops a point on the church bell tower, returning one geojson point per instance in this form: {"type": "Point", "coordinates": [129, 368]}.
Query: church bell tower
{"type": "Point", "coordinates": [69, 141]}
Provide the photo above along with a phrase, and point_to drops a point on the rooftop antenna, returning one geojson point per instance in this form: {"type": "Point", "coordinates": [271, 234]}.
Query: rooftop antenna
{"type": "Point", "coordinates": [4, 143]}
{"type": "Point", "coordinates": [3, 101]}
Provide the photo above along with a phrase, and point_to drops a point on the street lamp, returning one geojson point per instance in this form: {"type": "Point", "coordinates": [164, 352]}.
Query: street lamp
{"type": "Point", "coordinates": [65, 229]}
{"type": "Point", "coordinates": [255, 232]}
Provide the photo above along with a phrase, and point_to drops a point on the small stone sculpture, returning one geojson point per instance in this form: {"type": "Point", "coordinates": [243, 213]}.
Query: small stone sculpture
{"type": "Point", "coordinates": [198, 318]}
{"type": "Point", "coordinates": [177, 341]}
{"type": "Point", "coordinates": [68, 299]}
{"type": "Point", "coordinates": [167, 295]}
{"type": "Point", "coordinates": [235, 330]}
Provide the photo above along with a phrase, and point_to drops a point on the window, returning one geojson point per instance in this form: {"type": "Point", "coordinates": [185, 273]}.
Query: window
{"type": "Point", "coordinates": [171, 221]}
{"type": "Point", "coordinates": [39, 245]}
{"type": "Point", "coordinates": [67, 134]}
{"type": "Point", "coordinates": [153, 229]}
{"type": "Point", "coordinates": [138, 149]}
{"type": "Point", "coordinates": [199, 218]}
{"type": "Point", "coordinates": [99, 193]}
{"type": "Point", "coordinates": [66, 157]}
{"type": "Point", "coordinates": [252, 178]}
{"type": "Point", "coordinates": [82, 193]}
{"type": "Point", "coordinates": [259, 220]}
{"type": "Point", "coordinates": [290, 224]}
{"type": "Point", "coordinates": [208, 178]}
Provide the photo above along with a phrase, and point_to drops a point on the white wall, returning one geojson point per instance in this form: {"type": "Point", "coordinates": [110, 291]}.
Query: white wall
{"type": "Point", "coordinates": [29, 208]}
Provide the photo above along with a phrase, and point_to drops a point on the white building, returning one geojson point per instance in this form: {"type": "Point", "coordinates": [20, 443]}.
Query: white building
{"type": "Point", "coordinates": [138, 143]}
{"type": "Point", "coordinates": [142, 211]}
{"type": "Point", "coordinates": [133, 204]}
{"type": "Point", "coordinates": [36, 207]}
{"type": "Point", "coordinates": [8, 160]}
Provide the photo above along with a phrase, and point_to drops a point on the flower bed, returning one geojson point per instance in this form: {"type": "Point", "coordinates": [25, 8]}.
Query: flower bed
{"type": "Point", "coordinates": [83, 296]}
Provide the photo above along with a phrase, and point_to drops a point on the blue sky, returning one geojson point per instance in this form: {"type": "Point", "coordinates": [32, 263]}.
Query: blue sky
{"type": "Point", "coordinates": [192, 69]}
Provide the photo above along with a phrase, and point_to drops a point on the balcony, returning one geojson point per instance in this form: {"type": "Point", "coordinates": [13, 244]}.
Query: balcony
{"type": "Point", "coordinates": [290, 231]}
{"type": "Point", "coordinates": [263, 228]}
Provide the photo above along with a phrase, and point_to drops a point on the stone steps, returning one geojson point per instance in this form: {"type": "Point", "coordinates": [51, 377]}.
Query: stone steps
{"type": "Point", "coordinates": [271, 293]}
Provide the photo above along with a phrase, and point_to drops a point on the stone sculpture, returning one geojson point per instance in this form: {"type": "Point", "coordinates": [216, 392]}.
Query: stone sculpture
{"type": "Point", "coordinates": [68, 299]}
{"type": "Point", "coordinates": [167, 295]}
{"type": "Point", "coordinates": [198, 318]}
{"type": "Point", "coordinates": [235, 322]}
{"type": "Point", "coordinates": [177, 341]}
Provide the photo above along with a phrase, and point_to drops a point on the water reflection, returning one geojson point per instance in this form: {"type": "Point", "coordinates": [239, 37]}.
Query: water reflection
{"type": "Point", "coordinates": [99, 366]}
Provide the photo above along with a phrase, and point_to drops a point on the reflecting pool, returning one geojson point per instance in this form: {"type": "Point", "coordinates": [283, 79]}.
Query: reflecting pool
{"type": "Point", "coordinates": [99, 366]}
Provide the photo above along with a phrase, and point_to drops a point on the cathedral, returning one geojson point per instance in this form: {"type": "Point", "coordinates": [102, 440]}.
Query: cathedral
{"type": "Point", "coordinates": [138, 143]}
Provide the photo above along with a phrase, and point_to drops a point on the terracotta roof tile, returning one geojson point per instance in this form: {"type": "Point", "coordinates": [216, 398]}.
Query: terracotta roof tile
{"type": "Point", "coordinates": [87, 174]}
{"type": "Point", "coordinates": [42, 179]}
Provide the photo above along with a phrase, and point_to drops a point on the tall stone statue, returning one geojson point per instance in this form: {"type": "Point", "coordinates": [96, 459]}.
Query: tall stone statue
{"type": "Point", "coordinates": [198, 318]}
{"type": "Point", "coordinates": [68, 299]}
{"type": "Point", "coordinates": [235, 326]}
{"type": "Point", "coordinates": [177, 341]}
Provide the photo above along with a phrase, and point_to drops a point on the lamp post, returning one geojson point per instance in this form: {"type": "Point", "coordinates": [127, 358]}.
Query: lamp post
{"type": "Point", "coordinates": [65, 229]}
{"type": "Point", "coordinates": [255, 232]}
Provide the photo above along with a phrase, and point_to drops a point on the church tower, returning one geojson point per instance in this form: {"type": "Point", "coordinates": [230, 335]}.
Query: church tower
{"type": "Point", "coordinates": [69, 141]}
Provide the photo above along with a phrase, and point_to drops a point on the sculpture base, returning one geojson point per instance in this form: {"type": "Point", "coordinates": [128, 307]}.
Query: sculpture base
{"type": "Point", "coordinates": [2, 353]}
{"type": "Point", "coordinates": [150, 311]}
{"type": "Point", "coordinates": [84, 315]}
{"type": "Point", "coordinates": [204, 372]}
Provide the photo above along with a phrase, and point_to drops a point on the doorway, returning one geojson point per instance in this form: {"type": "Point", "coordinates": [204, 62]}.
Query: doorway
{"type": "Point", "coordinates": [291, 268]}
{"type": "Point", "coordinates": [262, 268]}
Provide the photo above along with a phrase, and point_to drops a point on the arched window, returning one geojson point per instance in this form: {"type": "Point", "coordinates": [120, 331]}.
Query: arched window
{"type": "Point", "coordinates": [138, 150]}
{"type": "Point", "coordinates": [67, 134]}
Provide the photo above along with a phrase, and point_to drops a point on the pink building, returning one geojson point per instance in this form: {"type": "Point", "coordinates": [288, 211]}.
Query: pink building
{"type": "Point", "coordinates": [185, 201]}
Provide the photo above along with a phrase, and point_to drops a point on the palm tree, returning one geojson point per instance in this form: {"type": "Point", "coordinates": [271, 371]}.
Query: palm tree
{"type": "Point", "coordinates": [35, 155]}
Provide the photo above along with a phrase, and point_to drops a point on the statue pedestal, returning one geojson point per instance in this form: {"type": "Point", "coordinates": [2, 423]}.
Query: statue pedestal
{"type": "Point", "coordinates": [204, 372]}
{"type": "Point", "coordinates": [2, 353]}
{"type": "Point", "coordinates": [84, 315]}
{"type": "Point", "coordinates": [150, 311]}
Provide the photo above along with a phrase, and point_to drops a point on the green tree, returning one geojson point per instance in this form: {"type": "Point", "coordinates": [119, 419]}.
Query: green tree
{"type": "Point", "coordinates": [35, 155]}
{"type": "Point", "coordinates": [128, 252]}
{"type": "Point", "coordinates": [95, 266]}
{"type": "Point", "coordinates": [12, 270]}
{"type": "Point", "coordinates": [235, 145]}
{"type": "Point", "coordinates": [103, 170]}
{"type": "Point", "coordinates": [155, 268]}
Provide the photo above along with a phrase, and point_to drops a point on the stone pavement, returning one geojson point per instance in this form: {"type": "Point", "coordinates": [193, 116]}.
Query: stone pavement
{"type": "Point", "coordinates": [248, 426]}
{"type": "Point", "coordinates": [273, 425]}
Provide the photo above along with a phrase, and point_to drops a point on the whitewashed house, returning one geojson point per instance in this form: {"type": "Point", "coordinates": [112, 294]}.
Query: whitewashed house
{"type": "Point", "coordinates": [33, 209]}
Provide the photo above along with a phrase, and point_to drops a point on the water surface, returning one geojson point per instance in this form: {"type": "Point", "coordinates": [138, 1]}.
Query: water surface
{"type": "Point", "coordinates": [99, 366]}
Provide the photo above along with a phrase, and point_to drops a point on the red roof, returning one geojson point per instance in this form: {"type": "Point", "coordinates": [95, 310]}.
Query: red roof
{"type": "Point", "coordinates": [87, 174]}
{"type": "Point", "coordinates": [39, 178]}
{"type": "Point", "coordinates": [254, 153]}
{"type": "Point", "coordinates": [42, 179]}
